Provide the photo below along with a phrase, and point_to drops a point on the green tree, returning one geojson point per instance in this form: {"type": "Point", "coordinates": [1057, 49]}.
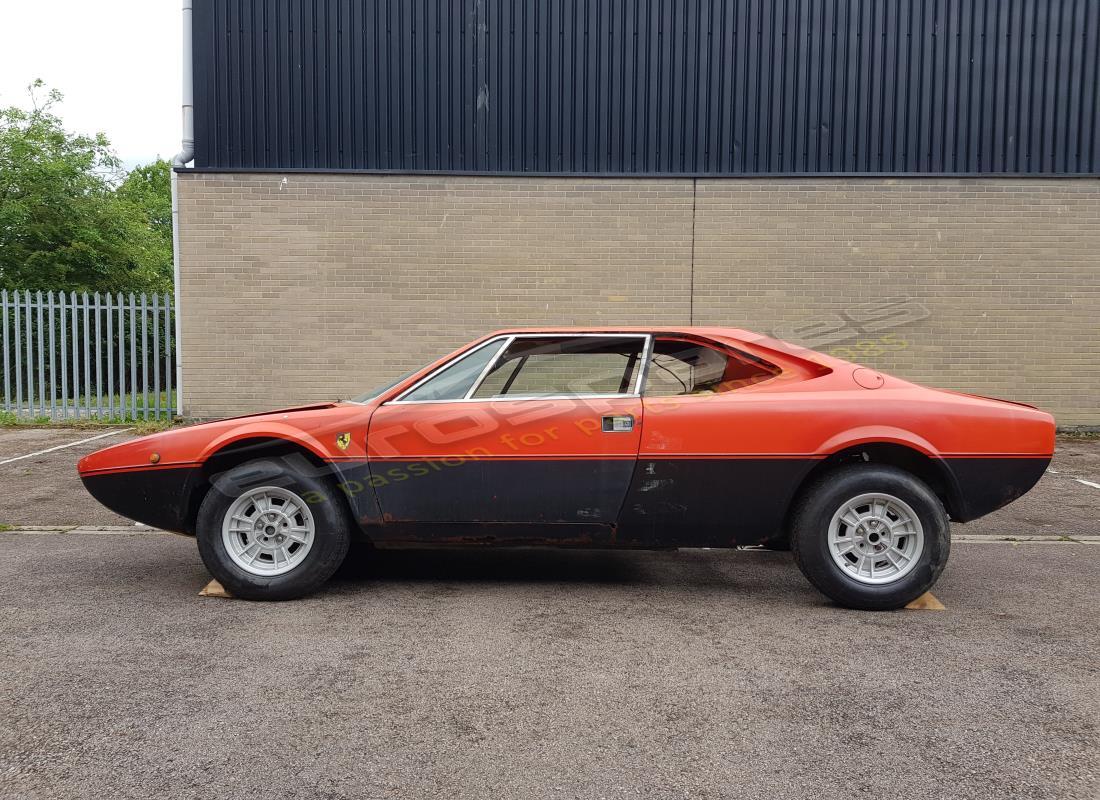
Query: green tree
{"type": "Point", "coordinates": [149, 188]}
{"type": "Point", "coordinates": [70, 218]}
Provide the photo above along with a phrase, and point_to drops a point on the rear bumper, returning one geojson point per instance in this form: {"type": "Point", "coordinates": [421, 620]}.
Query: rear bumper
{"type": "Point", "coordinates": [983, 485]}
{"type": "Point", "coordinates": [160, 497]}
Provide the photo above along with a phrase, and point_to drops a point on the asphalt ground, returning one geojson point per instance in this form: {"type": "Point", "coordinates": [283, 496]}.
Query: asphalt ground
{"type": "Point", "coordinates": [543, 673]}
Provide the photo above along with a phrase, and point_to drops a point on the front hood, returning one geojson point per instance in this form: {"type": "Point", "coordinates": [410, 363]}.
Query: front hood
{"type": "Point", "coordinates": [291, 410]}
{"type": "Point", "coordinates": [314, 427]}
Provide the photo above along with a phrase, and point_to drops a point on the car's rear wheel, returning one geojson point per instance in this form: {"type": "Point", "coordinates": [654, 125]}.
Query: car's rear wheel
{"type": "Point", "coordinates": [870, 536]}
{"type": "Point", "coordinates": [267, 532]}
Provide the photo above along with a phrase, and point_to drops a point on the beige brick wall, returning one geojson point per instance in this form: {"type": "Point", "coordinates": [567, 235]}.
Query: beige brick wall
{"type": "Point", "coordinates": [298, 287]}
{"type": "Point", "coordinates": [1008, 272]}
{"type": "Point", "coordinates": [324, 286]}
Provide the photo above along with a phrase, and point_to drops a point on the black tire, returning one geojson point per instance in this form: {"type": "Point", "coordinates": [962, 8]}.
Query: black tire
{"type": "Point", "coordinates": [813, 513]}
{"type": "Point", "coordinates": [330, 539]}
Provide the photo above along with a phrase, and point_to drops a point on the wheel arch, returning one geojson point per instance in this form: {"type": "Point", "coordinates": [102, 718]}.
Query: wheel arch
{"type": "Point", "coordinates": [238, 451]}
{"type": "Point", "coordinates": [928, 468]}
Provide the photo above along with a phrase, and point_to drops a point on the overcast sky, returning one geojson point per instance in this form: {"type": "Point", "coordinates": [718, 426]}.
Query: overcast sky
{"type": "Point", "coordinates": [116, 61]}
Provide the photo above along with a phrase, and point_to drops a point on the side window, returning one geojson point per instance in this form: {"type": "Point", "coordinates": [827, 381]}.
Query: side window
{"type": "Point", "coordinates": [679, 367]}
{"type": "Point", "coordinates": [455, 380]}
{"type": "Point", "coordinates": [539, 366]}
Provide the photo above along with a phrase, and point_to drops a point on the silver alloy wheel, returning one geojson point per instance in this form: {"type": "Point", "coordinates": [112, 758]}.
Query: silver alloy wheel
{"type": "Point", "coordinates": [876, 538]}
{"type": "Point", "coordinates": [268, 531]}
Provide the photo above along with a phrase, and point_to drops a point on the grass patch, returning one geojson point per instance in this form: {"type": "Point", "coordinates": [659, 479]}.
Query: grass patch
{"type": "Point", "coordinates": [92, 411]}
{"type": "Point", "coordinates": [4, 527]}
{"type": "Point", "coordinates": [147, 426]}
{"type": "Point", "coordinates": [141, 426]}
{"type": "Point", "coordinates": [1079, 434]}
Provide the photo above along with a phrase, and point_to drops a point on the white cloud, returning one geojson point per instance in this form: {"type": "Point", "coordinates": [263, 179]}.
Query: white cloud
{"type": "Point", "coordinates": [117, 63]}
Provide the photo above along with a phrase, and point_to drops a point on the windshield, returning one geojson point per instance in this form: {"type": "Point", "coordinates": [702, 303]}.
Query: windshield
{"type": "Point", "coordinates": [373, 393]}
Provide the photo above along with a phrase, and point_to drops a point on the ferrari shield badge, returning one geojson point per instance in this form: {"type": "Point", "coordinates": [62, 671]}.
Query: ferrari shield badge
{"type": "Point", "coordinates": [343, 440]}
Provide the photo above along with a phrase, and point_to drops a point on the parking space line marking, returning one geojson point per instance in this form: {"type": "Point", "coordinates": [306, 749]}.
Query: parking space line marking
{"type": "Point", "coordinates": [85, 530]}
{"type": "Point", "coordinates": [1079, 480]}
{"type": "Point", "coordinates": [63, 446]}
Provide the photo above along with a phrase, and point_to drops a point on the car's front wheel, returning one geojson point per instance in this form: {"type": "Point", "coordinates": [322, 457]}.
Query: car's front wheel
{"type": "Point", "coordinates": [268, 532]}
{"type": "Point", "coordinates": [870, 536]}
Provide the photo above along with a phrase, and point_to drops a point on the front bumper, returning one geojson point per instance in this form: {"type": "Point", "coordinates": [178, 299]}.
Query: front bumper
{"type": "Point", "coordinates": [161, 497]}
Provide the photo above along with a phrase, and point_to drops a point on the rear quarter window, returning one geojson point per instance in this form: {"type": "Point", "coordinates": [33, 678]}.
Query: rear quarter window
{"type": "Point", "coordinates": [682, 367]}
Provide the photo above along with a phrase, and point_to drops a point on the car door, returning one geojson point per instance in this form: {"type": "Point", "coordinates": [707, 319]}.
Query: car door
{"type": "Point", "coordinates": [526, 436]}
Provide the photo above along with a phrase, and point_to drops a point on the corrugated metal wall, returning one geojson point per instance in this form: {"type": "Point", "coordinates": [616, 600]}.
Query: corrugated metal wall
{"type": "Point", "coordinates": [650, 86]}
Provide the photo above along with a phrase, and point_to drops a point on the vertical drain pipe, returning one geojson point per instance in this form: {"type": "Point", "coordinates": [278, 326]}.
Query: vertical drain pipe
{"type": "Point", "coordinates": [182, 159]}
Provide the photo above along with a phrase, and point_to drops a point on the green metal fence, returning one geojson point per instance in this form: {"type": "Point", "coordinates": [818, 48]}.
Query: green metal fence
{"type": "Point", "coordinates": [88, 356]}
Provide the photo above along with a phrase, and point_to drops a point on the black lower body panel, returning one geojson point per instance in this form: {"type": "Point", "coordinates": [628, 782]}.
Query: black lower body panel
{"type": "Point", "coordinates": [520, 491]}
{"type": "Point", "coordinates": [709, 502]}
{"type": "Point", "coordinates": [983, 485]}
{"type": "Point", "coordinates": [160, 497]}
{"type": "Point", "coordinates": [496, 534]}
{"type": "Point", "coordinates": [616, 502]}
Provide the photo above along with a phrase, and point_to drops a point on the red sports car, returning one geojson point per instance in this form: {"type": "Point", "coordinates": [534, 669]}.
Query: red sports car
{"type": "Point", "coordinates": [610, 437]}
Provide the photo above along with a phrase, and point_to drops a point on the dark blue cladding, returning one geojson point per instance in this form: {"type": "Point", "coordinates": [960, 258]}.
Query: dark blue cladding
{"type": "Point", "coordinates": [652, 87]}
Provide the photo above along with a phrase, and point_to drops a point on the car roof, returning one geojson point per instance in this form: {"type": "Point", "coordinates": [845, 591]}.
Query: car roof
{"type": "Point", "coordinates": [734, 333]}
{"type": "Point", "coordinates": [740, 337]}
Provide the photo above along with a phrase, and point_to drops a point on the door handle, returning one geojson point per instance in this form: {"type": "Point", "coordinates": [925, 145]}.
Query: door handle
{"type": "Point", "coordinates": [618, 423]}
